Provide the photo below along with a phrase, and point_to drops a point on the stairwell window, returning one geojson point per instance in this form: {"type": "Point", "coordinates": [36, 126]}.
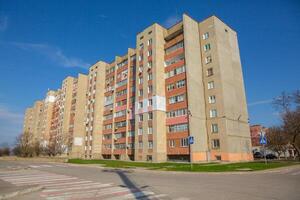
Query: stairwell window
{"type": "Point", "coordinates": [205, 36]}
{"type": "Point", "coordinates": [149, 41]}
{"type": "Point", "coordinates": [206, 47]}
{"type": "Point", "coordinates": [213, 113]}
{"type": "Point", "coordinates": [150, 116]}
{"type": "Point", "coordinates": [210, 85]}
{"type": "Point", "coordinates": [140, 117]}
{"type": "Point", "coordinates": [209, 72]}
{"type": "Point", "coordinates": [215, 144]}
{"type": "Point", "coordinates": [208, 60]}
{"type": "Point", "coordinates": [212, 99]}
{"type": "Point", "coordinates": [214, 128]}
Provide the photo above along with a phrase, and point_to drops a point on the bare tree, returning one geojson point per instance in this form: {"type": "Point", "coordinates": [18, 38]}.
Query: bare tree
{"type": "Point", "coordinates": [289, 106]}
{"type": "Point", "coordinates": [24, 145]}
{"type": "Point", "coordinates": [57, 145]}
{"type": "Point", "coordinates": [277, 140]}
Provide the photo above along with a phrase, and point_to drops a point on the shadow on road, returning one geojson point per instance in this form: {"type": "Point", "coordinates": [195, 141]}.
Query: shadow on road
{"type": "Point", "coordinates": [134, 189]}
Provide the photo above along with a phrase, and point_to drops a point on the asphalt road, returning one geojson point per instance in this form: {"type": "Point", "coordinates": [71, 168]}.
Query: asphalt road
{"type": "Point", "coordinates": [67, 181]}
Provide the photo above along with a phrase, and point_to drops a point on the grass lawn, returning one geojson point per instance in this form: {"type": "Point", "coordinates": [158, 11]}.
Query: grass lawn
{"type": "Point", "coordinates": [202, 167]}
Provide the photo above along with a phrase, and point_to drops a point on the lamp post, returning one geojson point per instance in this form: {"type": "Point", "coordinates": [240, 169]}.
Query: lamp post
{"type": "Point", "coordinates": [189, 114]}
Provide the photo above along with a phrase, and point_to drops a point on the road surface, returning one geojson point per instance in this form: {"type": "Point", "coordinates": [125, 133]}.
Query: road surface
{"type": "Point", "coordinates": [68, 181]}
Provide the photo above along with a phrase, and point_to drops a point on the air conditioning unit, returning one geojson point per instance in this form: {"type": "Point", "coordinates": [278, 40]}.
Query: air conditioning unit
{"type": "Point", "coordinates": [111, 109]}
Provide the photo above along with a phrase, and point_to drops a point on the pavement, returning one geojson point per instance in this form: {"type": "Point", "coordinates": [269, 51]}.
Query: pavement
{"type": "Point", "coordinates": [69, 181]}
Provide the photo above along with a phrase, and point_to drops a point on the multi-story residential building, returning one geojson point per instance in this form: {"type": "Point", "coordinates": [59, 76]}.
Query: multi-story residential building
{"type": "Point", "coordinates": [77, 116]}
{"type": "Point", "coordinates": [32, 120]}
{"type": "Point", "coordinates": [181, 81]}
{"type": "Point", "coordinates": [46, 116]}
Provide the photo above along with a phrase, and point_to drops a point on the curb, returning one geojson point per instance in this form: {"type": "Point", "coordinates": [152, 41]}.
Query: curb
{"type": "Point", "coordinates": [20, 192]}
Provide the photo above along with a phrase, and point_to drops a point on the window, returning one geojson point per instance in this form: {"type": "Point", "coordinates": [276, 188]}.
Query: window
{"type": "Point", "coordinates": [149, 41]}
{"type": "Point", "coordinates": [120, 135]}
{"type": "Point", "coordinates": [106, 136]}
{"type": "Point", "coordinates": [150, 102]}
{"type": "Point", "coordinates": [171, 87]}
{"type": "Point", "coordinates": [174, 72]}
{"type": "Point", "coordinates": [108, 126]}
{"type": "Point", "coordinates": [122, 92]}
{"type": "Point", "coordinates": [130, 145]}
{"type": "Point", "coordinates": [141, 92]}
{"type": "Point", "coordinates": [140, 131]}
{"type": "Point", "coordinates": [150, 130]}
{"type": "Point", "coordinates": [184, 142]}
{"type": "Point", "coordinates": [214, 128]}
{"type": "Point", "coordinates": [149, 64]}
{"type": "Point", "coordinates": [208, 60]}
{"type": "Point", "coordinates": [176, 99]}
{"type": "Point", "coordinates": [140, 57]}
{"type": "Point", "coordinates": [216, 144]}
{"type": "Point", "coordinates": [174, 47]}
{"type": "Point", "coordinates": [212, 99]}
{"type": "Point", "coordinates": [213, 113]}
{"type": "Point", "coordinates": [140, 80]}
{"type": "Point", "coordinates": [206, 47]}
{"type": "Point", "coordinates": [120, 113]}
{"type": "Point", "coordinates": [178, 128]}
{"type": "Point", "coordinates": [120, 124]}
{"type": "Point", "coordinates": [140, 117]}
{"type": "Point", "coordinates": [149, 76]}
{"type": "Point", "coordinates": [174, 60]}
{"type": "Point", "coordinates": [149, 53]}
{"type": "Point", "coordinates": [140, 144]}
{"type": "Point", "coordinates": [150, 115]}
{"type": "Point", "coordinates": [150, 89]}
{"type": "Point", "coordinates": [172, 143]}
{"type": "Point", "coordinates": [177, 113]}
{"type": "Point", "coordinates": [141, 45]}
{"type": "Point", "coordinates": [150, 144]}
{"type": "Point", "coordinates": [131, 133]}
{"type": "Point", "coordinates": [180, 84]}
{"type": "Point", "coordinates": [141, 104]}
{"type": "Point", "coordinates": [205, 36]}
{"type": "Point", "coordinates": [106, 117]}
{"type": "Point", "coordinates": [209, 72]}
{"type": "Point", "coordinates": [210, 85]}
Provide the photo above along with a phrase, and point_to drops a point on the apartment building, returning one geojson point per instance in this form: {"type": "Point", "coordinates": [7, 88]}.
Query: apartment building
{"type": "Point", "coordinates": [181, 81]}
{"type": "Point", "coordinates": [32, 120]}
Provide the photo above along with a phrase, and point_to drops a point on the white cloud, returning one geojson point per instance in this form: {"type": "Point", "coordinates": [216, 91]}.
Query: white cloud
{"type": "Point", "coordinates": [171, 20]}
{"type": "Point", "coordinates": [3, 23]}
{"type": "Point", "coordinates": [53, 53]}
{"type": "Point", "coordinates": [268, 101]}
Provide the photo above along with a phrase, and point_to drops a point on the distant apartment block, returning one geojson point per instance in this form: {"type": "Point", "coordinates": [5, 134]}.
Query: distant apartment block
{"type": "Point", "coordinates": [181, 81]}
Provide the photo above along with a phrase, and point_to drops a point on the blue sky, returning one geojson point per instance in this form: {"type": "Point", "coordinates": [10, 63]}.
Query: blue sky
{"type": "Point", "coordinates": [41, 42]}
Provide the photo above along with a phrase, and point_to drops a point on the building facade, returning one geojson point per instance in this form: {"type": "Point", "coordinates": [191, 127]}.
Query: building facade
{"type": "Point", "coordinates": [181, 81]}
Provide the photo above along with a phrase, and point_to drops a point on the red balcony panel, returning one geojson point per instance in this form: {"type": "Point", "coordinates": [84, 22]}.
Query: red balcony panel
{"type": "Point", "coordinates": [119, 119]}
{"type": "Point", "coordinates": [120, 98]}
{"type": "Point", "coordinates": [107, 131]}
{"type": "Point", "coordinates": [106, 151]}
{"type": "Point", "coordinates": [130, 139]}
{"type": "Point", "coordinates": [119, 151]}
{"type": "Point", "coordinates": [178, 151]}
{"type": "Point", "coordinates": [176, 78]}
{"type": "Point", "coordinates": [119, 130]}
{"type": "Point", "coordinates": [176, 91]}
{"type": "Point", "coordinates": [108, 121]}
{"type": "Point", "coordinates": [177, 135]}
{"type": "Point", "coordinates": [120, 140]}
{"type": "Point", "coordinates": [123, 87]}
{"type": "Point", "coordinates": [130, 151]}
{"type": "Point", "coordinates": [119, 108]}
{"type": "Point", "coordinates": [177, 120]}
{"type": "Point", "coordinates": [176, 106]}
{"type": "Point", "coordinates": [174, 53]}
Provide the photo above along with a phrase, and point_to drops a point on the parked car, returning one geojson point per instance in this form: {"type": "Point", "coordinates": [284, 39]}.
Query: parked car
{"type": "Point", "coordinates": [271, 156]}
{"type": "Point", "coordinates": [258, 155]}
